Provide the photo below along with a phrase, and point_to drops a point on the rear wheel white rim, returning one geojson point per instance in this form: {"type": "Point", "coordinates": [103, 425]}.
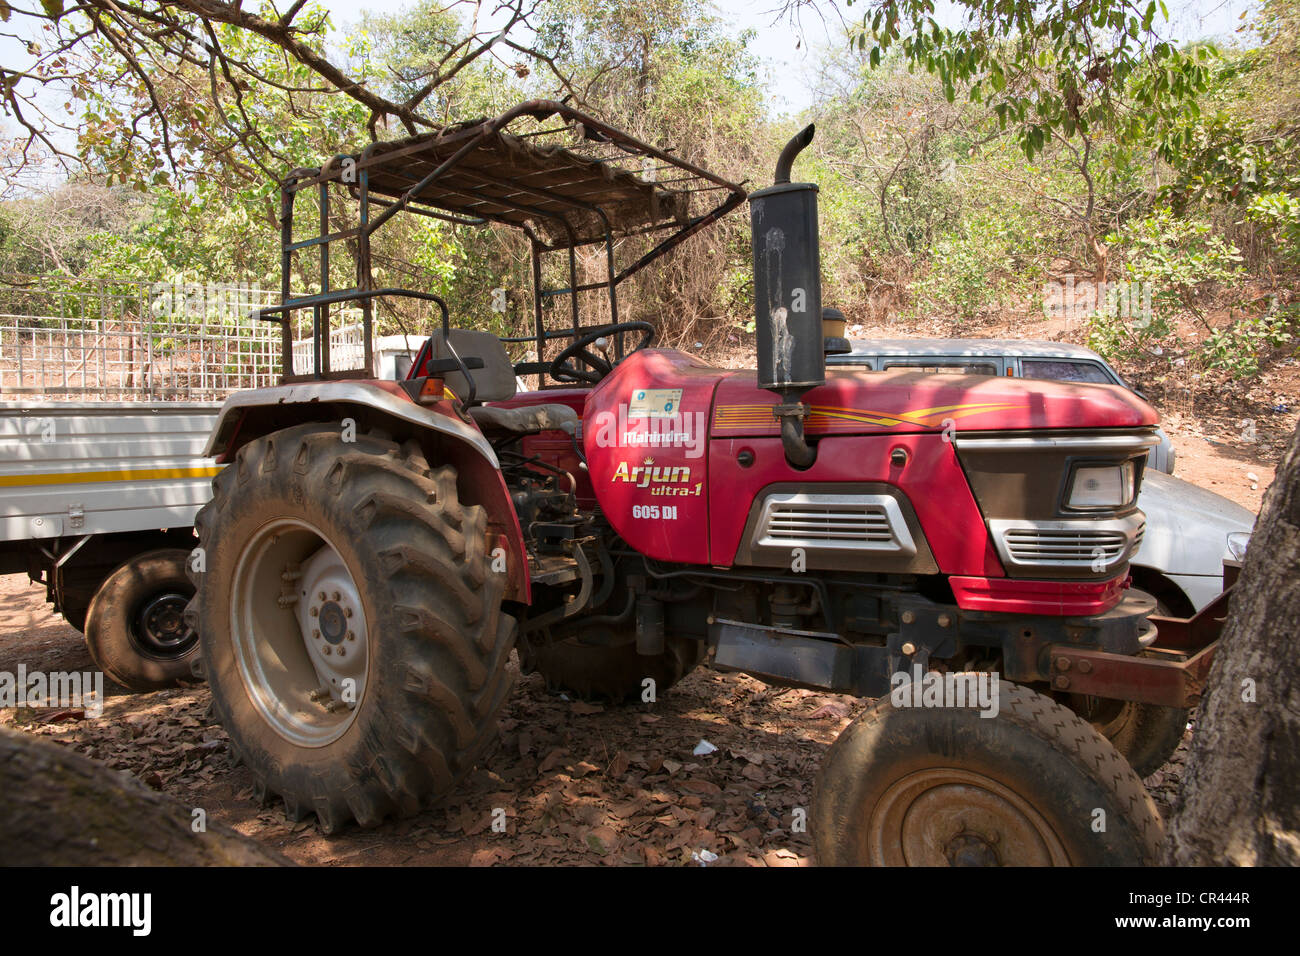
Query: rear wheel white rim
{"type": "Point", "coordinates": [299, 633]}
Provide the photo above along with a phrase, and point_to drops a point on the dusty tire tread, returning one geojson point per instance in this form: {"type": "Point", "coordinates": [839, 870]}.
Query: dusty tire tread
{"type": "Point", "coordinates": [446, 643]}
{"type": "Point", "coordinates": [1045, 719]}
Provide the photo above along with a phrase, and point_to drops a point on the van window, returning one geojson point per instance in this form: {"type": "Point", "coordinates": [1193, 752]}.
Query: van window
{"type": "Point", "coordinates": [1065, 371]}
{"type": "Point", "coordinates": [948, 368]}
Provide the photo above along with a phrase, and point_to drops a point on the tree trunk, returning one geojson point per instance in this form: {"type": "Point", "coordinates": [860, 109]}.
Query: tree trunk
{"type": "Point", "coordinates": [1240, 803]}
{"type": "Point", "coordinates": [62, 809]}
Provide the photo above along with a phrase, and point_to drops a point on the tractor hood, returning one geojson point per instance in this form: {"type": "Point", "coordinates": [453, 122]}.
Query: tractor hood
{"type": "Point", "coordinates": [908, 401]}
{"type": "Point", "coordinates": [860, 402]}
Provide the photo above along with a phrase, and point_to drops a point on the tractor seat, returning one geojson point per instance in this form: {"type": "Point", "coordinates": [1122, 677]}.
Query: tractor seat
{"type": "Point", "coordinates": [495, 382]}
{"type": "Point", "coordinates": [527, 420]}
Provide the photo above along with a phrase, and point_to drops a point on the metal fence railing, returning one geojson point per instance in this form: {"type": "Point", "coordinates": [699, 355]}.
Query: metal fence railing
{"type": "Point", "coordinates": [103, 340]}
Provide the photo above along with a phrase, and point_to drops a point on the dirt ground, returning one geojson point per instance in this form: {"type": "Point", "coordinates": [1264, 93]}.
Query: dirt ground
{"type": "Point", "coordinates": [577, 785]}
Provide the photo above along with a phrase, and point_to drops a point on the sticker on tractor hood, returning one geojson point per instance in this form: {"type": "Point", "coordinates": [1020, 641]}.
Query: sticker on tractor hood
{"type": "Point", "coordinates": [655, 403]}
{"type": "Point", "coordinates": [660, 479]}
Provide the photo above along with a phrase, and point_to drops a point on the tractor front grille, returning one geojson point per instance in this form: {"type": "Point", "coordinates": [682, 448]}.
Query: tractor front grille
{"type": "Point", "coordinates": [1085, 544]}
{"type": "Point", "coordinates": [841, 522]}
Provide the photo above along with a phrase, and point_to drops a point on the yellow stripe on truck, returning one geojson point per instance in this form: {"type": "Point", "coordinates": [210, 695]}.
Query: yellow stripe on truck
{"type": "Point", "coordinates": [92, 477]}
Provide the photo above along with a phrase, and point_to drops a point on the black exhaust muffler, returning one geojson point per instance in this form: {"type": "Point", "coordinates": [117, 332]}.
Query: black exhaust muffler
{"type": "Point", "coordinates": [788, 296]}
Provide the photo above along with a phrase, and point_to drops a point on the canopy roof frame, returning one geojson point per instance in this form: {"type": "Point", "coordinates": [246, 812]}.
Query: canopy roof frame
{"type": "Point", "coordinates": [463, 175]}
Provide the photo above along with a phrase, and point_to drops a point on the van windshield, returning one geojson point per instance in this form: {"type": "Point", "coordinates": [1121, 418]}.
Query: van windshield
{"type": "Point", "coordinates": [1065, 371]}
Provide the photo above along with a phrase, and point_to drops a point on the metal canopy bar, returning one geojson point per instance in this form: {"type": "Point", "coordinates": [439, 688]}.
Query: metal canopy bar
{"type": "Point", "coordinates": [322, 240]}
{"type": "Point", "coordinates": [562, 196]}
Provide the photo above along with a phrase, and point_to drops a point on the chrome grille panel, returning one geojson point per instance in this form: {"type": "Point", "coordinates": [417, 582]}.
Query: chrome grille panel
{"type": "Point", "coordinates": [838, 522]}
{"type": "Point", "coordinates": [1080, 543]}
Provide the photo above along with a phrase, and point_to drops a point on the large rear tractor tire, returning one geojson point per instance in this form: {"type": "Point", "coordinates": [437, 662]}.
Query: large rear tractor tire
{"type": "Point", "coordinates": [614, 673]}
{"type": "Point", "coordinates": [351, 624]}
{"type": "Point", "coordinates": [938, 786]}
{"type": "Point", "coordinates": [135, 627]}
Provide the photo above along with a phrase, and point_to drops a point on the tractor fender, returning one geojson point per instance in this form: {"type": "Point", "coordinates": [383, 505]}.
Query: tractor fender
{"type": "Point", "coordinates": [443, 435]}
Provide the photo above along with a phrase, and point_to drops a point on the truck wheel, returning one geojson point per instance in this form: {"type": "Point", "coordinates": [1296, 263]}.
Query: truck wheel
{"type": "Point", "coordinates": [135, 627]}
{"type": "Point", "coordinates": [352, 629]}
{"type": "Point", "coordinates": [1032, 786]}
{"type": "Point", "coordinates": [614, 672]}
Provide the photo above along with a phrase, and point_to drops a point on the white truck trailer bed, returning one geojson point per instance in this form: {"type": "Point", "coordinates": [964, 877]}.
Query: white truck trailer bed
{"type": "Point", "coordinates": [76, 469]}
{"type": "Point", "coordinates": [97, 502]}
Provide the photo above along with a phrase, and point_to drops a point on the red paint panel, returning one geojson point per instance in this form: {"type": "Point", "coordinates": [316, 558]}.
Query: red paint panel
{"type": "Point", "coordinates": [1057, 598]}
{"type": "Point", "coordinates": [931, 479]}
{"type": "Point", "coordinates": [650, 471]}
{"type": "Point", "coordinates": [900, 401]}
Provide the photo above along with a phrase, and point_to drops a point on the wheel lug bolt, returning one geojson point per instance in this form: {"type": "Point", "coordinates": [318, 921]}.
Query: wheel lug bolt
{"type": "Point", "coordinates": [328, 650]}
{"type": "Point", "coordinates": [343, 652]}
{"type": "Point", "coordinates": [347, 612]}
{"type": "Point", "coordinates": [315, 632]}
{"type": "Point", "coordinates": [315, 612]}
{"type": "Point", "coordinates": [351, 636]}
{"type": "Point", "coordinates": [323, 596]}
{"type": "Point", "coordinates": [337, 596]}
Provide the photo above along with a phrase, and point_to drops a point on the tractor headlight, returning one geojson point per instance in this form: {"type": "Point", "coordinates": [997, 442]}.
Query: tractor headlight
{"type": "Point", "coordinates": [1237, 542]}
{"type": "Point", "coordinates": [1095, 487]}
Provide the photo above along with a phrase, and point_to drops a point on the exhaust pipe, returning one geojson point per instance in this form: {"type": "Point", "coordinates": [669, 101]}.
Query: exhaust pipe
{"type": "Point", "coordinates": [788, 296]}
{"type": "Point", "coordinates": [798, 143]}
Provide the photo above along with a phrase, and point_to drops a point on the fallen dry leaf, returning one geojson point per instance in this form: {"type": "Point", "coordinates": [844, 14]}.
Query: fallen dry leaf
{"type": "Point", "coordinates": [551, 760]}
{"type": "Point", "coordinates": [701, 786]}
{"type": "Point", "coordinates": [489, 856]}
{"type": "Point", "coordinates": [781, 858]}
{"type": "Point", "coordinates": [618, 766]}
{"type": "Point", "coordinates": [602, 840]}
{"type": "Point", "coordinates": [831, 708]}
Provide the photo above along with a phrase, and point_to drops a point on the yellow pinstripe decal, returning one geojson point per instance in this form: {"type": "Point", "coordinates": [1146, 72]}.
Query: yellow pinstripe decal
{"type": "Point", "coordinates": [93, 477]}
{"type": "Point", "coordinates": [734, 417]}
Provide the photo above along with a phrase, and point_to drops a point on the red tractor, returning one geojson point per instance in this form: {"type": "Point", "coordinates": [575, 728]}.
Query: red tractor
{"type": "Point", "coordinates": [957, 547]}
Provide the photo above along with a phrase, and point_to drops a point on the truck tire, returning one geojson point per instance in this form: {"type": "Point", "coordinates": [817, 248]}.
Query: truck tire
{"type": "Point", "coordinates": [934, 786]}
{"type": "Point", "coordinates": [614, 672]}
{"type": "Point", "coordinates": [352, 628]}
{"type": "Point", "coordinates": [135, 627]}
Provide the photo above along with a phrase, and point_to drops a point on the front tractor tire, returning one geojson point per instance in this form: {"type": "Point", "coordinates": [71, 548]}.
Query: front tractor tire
{"type": "Point", "coordinates": [943, 786]}
{"type": "Point", "coordinates": [351, 625]}
{"type": "Point", "coordinates": [1146, 734]}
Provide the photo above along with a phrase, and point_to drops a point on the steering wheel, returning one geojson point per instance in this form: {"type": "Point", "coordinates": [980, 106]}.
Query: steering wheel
{"type": "Point", "coordinates": [564, 367]}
